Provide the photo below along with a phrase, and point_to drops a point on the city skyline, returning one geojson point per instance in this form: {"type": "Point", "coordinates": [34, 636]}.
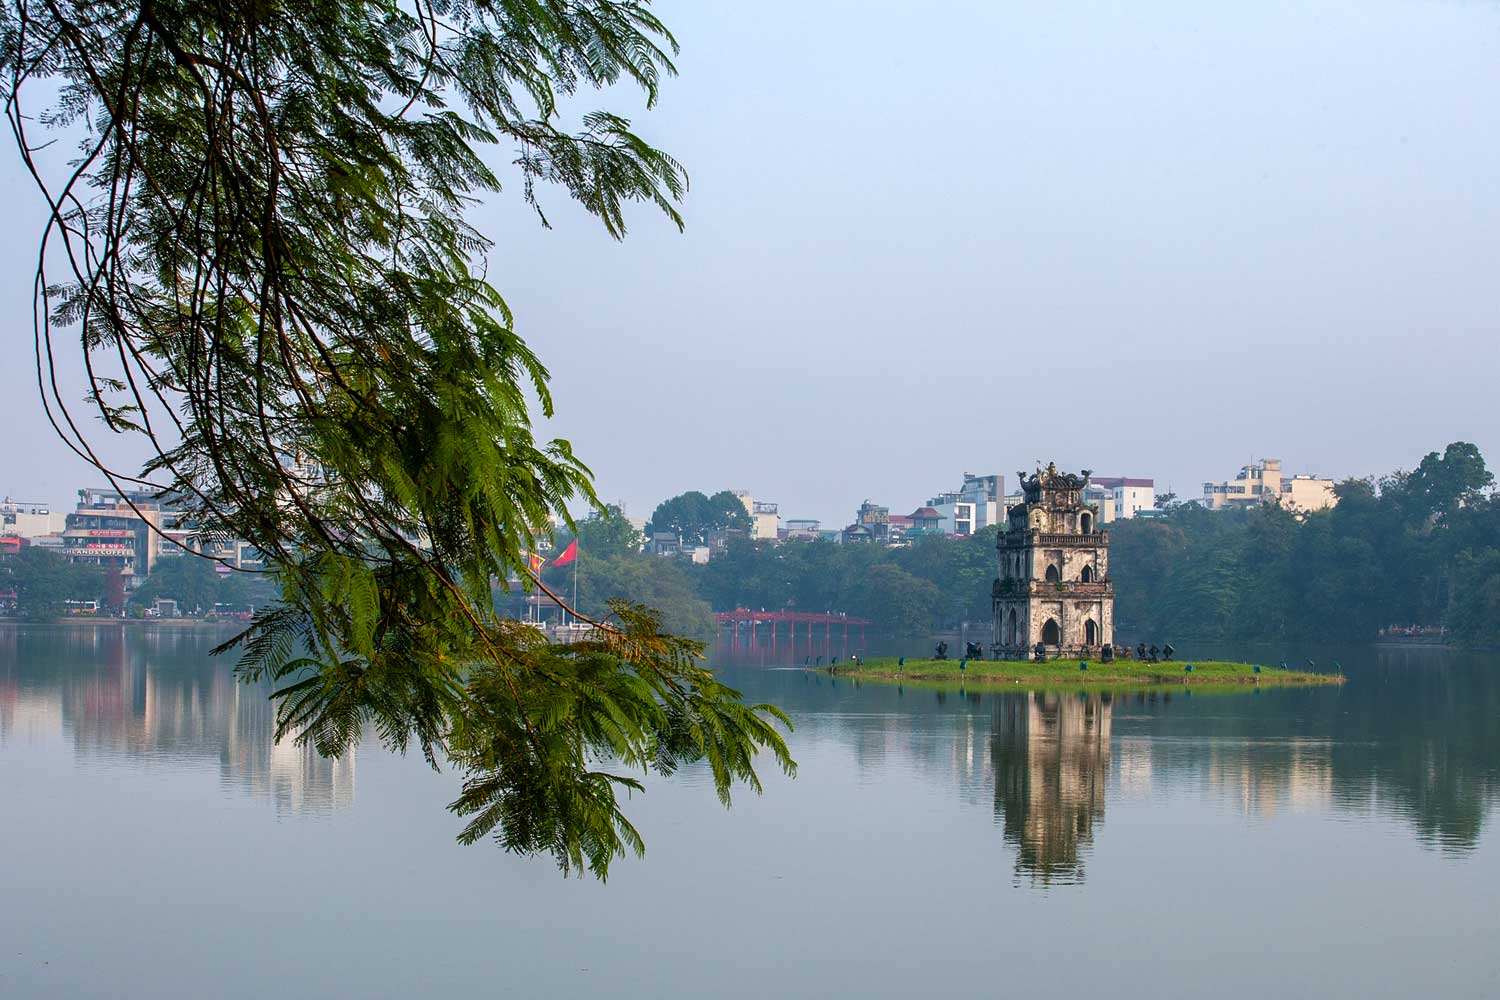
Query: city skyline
{"type": "Point", "coordinates": [850, 517]}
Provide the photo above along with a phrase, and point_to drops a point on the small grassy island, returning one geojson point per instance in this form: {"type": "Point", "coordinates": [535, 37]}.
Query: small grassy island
{"type": "Point", "coordinates": [1053, 673]}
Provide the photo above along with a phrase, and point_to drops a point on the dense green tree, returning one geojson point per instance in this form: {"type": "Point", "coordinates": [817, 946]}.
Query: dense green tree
{"type": "Point", "coordinates": [261, 245]}
{"type": "Point", "coordinates": [960, 569]}
{"type": "Point", "coordinates": [1416, 547]}
{"type": "Point", "coordinates": [694, 515]}
{"type": "Point", "coordinates": [43, 581]}
{"type": "Point", "coordinates": [935, 582]}
{"type": "Point", "coordinates": [664, 584]}
{"type": "Point", "coordinates": [898, 602]}
{"type": "Point", "coordinates": [728, 511]}
{"type": "Point", "coordinates": [192, 583]}
{"type": "Point", "coordinates": [197, 585]}
{"type": "Point", "coordinates": [607, 533]}
{"type": "Point", "coordinates": [1443, 483]}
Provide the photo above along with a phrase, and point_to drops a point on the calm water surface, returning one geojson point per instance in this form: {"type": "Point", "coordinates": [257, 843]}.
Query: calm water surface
{"type": "Point", "coordinates": [1334, 842]}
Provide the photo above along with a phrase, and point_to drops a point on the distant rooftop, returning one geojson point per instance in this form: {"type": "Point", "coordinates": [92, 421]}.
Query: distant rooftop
{"type": "Point", "coordinates": [1116, 482]}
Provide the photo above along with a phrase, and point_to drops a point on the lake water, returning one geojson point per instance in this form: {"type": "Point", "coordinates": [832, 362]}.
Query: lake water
{"type": "Point", "coordinates": [1330, 842]}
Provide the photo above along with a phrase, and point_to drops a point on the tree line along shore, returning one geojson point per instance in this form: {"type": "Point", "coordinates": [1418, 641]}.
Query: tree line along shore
{"type": "Point", "coordinates": [1410, 548]}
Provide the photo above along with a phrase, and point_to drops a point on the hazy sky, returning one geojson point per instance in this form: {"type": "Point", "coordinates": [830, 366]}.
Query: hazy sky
{"type": "Point", "coordinates": [1152, 239]}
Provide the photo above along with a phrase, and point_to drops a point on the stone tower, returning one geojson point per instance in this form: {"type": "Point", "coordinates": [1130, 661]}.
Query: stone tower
{"type": "Point", "coordinates": [1054, 585]}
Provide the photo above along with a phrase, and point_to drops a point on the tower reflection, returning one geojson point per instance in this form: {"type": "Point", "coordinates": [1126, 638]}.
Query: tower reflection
{"type": "Point", "coordinates": [1051, 758]}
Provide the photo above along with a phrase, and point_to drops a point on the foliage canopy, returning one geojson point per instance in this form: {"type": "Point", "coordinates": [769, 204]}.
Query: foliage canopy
{"type": "Point", "coordinates": [43, 581]}
{"type": "Point", "coordinates": [693, 515]}
{"type": "Point", "coordinates": [1419, 547]}
{"type": "Point", "coordinates": [261, 244]}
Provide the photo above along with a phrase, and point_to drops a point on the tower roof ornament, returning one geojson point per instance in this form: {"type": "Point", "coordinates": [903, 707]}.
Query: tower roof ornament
{"type": "Point", "coordinates": [1051, 479]}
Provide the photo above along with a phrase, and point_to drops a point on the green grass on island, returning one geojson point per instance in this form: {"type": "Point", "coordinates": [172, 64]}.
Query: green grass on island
{"type": "Point", "coordinates": [1054, 672]}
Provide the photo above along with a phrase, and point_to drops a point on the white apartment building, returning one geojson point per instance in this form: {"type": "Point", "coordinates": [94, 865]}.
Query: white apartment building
{"type": "Point", "coordinates": [976, 504]}
{"type": "Point", "coordinates": [1128, 495]}
{"type": "Point", "coordinates": [30, 520]}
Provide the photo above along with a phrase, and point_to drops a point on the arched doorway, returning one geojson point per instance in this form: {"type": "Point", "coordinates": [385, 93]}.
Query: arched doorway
{"type": "Point", "coordinates": [1051, 635]}
{"type": "Point", "coordinates": [1090, 633]}
{"type": "Point", "coordinates": [1052, 575]}
{"type": "Point", "coordinates": [1087, 576]}
{"type": "Point", "coordinates": [1010, 627]}
{"type": "Point", "coordinates": [1085, 522]}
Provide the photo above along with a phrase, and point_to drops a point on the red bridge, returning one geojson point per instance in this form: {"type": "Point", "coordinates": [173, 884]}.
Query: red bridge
{"type": "Point", "coordinates": [753, 619]}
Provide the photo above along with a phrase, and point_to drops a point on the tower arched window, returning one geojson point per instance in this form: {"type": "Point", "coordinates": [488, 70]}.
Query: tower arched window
{"type": "Point", "coordinates": [1052, 575]}
{"type": "Point", "coordinates": [1087, 576]}
{"type": "Point", "coordinates": [1085, 523]}
{"type": "Point", "coordinates": [1051, 634]}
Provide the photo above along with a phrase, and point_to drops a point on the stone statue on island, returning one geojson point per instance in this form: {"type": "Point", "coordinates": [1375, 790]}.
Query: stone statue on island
{"type": "Point", "coordinates": [1053, 597]}
{"type": "Point", "coordinates": [942, 651]}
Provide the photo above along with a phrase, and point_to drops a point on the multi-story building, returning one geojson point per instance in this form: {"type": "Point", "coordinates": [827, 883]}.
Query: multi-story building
{"type": "Point", "coordinates": [179, 537]}
{"type": "Point", "coordinates": [115, 530]}
{"type": "Point", "coordinates": [1265, 482]}
{"type": "Point", "coordinates": [19, 519]}
{"type": "Point", "coordinates": [976, 504]}
{"type": "Point", "coordinates": [1130, 495]}
{"type": "Point", "coordinates": [765, 519]}
{"type": "Point", "coordinates": [872, 523]}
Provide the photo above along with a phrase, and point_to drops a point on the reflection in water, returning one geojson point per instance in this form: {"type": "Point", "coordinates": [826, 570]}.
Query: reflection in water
{"type": "Point", "coordinates": [1051, 755]}
{"type": "Point", "coordinates": [1261, 780]}
{"type": "Point", "coordinates": [1411, 738]}
{"type": "Point", "coordinates": [156, 698]}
